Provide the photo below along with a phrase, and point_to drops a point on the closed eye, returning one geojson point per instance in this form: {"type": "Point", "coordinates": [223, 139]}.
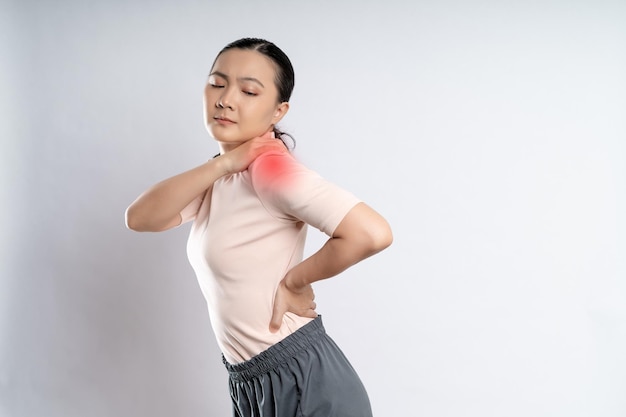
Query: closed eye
{"type": "Point", "coordinates": [216, 85]}
{"type": "Point", "coordinates": [249, 93]}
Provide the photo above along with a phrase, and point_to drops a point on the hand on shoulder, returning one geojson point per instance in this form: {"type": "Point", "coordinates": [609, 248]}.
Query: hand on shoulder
{"type": "Point", "coordinates": [242, 156]}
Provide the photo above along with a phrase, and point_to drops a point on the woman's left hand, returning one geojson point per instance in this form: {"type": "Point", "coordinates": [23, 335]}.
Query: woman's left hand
{"type": "Point", "coordinates": [299, 301]}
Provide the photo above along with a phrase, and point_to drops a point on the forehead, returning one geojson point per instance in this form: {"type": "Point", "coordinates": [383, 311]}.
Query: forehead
{"type": "Point", "coordinates": [245, 63]}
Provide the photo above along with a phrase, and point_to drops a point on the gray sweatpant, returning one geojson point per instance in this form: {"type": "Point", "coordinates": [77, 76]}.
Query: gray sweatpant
{"type": "Point", "coordinates": [304, 375]}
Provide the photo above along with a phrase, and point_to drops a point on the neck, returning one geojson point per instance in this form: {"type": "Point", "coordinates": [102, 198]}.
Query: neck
{"type": "Point", "coordinates": [227, 147]}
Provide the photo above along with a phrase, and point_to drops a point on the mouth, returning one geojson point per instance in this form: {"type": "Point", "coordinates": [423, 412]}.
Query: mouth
{"type": "Point", "coordinates": [223, 120]}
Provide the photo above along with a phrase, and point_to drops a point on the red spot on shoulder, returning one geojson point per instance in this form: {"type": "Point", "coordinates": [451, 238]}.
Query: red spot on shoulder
{"type": "Point", "coordinates": [272, 170]}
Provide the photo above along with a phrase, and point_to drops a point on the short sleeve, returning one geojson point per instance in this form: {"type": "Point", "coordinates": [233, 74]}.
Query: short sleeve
{"type": "Point", "coordinates": [190, 211]}
{"type": "Point", "coordinates": [292, 192]}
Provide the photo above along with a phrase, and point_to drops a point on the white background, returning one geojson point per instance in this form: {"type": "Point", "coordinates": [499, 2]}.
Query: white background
{"type": "Point", "coordinates": [491, 135]}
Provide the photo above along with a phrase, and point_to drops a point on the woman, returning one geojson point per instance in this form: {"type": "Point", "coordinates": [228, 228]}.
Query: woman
{"type": "Point", "coordinates": [250, 207]}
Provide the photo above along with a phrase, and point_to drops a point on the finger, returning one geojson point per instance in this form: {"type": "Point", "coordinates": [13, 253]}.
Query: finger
{"type": "Point", "coordinates": [267, 135]}
{"type": "Point", "coordinates": [275, 323]}
{"type": "Point", "coordinates": [277, 319]}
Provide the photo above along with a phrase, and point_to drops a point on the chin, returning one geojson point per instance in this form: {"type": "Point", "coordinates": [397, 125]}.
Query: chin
{"type": "Point", "coordinates": [219, 136]}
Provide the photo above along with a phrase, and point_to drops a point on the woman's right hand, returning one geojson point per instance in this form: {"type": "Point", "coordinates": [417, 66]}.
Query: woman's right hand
{"type": "Point", "coordinates": [242, 156]}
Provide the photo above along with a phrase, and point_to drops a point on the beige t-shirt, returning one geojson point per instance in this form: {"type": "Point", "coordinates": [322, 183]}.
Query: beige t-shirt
{"type": "Point", "coordinates": [249, 229]}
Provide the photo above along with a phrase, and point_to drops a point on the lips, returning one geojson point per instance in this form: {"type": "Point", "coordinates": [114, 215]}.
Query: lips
{"type": "Point", "coordinates": [222, 119]}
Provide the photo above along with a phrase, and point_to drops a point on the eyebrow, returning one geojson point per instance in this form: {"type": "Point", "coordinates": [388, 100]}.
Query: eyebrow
{"type": "Point", "coordinates": [222, 75]}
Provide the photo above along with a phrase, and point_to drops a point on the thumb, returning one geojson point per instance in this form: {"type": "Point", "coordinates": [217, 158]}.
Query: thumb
{"type": "Point", "coordinates": [277, 319]}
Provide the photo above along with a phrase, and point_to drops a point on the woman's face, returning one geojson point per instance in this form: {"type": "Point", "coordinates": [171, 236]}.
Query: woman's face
{"type": "Point", "coordinates": [241, 98]}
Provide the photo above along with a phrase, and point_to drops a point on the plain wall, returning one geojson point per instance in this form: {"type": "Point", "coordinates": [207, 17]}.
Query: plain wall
{"type": "Point", "coordinates": [491, 135]}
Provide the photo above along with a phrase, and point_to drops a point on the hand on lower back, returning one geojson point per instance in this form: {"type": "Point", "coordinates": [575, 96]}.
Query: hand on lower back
{"type": "Point", "coordinates": [299, 301]}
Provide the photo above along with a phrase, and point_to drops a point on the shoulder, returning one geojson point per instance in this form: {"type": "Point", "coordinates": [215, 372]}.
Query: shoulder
{"type": "Point", "coordinates": [290, 190]}
{"type": "Point", "coordinates": [277, 169]}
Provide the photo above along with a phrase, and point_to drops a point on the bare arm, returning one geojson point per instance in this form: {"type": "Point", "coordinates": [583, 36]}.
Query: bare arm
{"type": "Point", "coordinates": [362, 233]}
{"type": "Point", "coordinates": [159, 207]}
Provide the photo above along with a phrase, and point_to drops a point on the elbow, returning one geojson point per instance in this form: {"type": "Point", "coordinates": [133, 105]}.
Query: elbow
{"type": "Point", "coordinates": [386, 240]}
{"type": "Point", "coordinates": [134, 221]}
{"type": "Point", "coordinates": [374, 239]}
{"type": "Point", "coordinates": [380, 238]}
{"type": "Point", "coordinates": [131, 220]}
{"type": "Point", "coordinates": [365, 230]}
{"type": "Point", "coordinates": [140, 220]}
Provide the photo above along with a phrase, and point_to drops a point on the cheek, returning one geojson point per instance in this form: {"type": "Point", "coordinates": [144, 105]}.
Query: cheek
{"type": "Point", "coordinates": [257, 119]}
{"type": "Point", "coordinates": [205, 105]}
{"type": "Point", "coordinates": [264, 111]}
{"type": "Point", "coordinates": [208, 97]}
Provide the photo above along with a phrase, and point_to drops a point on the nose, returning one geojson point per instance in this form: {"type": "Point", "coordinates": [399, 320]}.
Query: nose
{"type": "Point", "coordinates": [224, 100]}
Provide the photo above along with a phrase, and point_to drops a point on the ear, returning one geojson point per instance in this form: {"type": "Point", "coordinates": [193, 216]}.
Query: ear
{"type": "Point", "coordinates": [280, 112]}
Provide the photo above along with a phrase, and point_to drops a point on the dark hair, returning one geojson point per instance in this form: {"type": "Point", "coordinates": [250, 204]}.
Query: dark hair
{"type": "Point", "coordinates": [285, 77]}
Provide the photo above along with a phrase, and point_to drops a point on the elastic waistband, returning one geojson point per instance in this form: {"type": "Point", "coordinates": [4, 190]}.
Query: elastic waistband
{"type": "Point", "coordinates": [277, 354]}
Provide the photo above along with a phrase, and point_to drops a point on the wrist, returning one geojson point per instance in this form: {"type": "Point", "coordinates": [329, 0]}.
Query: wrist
{"type": "Point", "coordinates": [220, 164]}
